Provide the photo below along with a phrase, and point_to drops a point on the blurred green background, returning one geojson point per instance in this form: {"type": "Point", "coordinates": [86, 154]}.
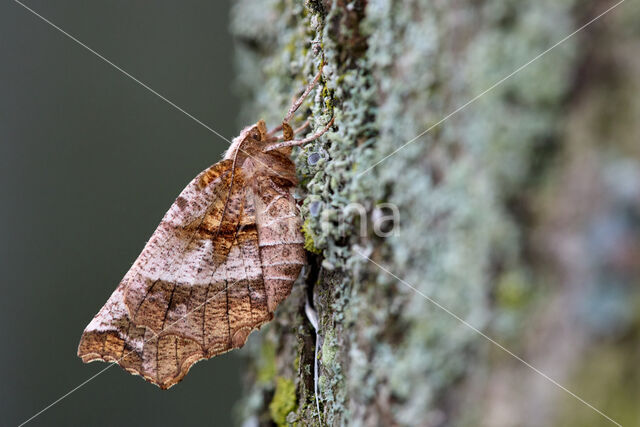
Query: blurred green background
{"type": "Point", "coordinates": [89, 162]}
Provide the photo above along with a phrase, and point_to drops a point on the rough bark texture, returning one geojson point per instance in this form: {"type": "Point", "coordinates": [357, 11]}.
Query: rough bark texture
{"type": "Point", "coordinates": [520, 214]}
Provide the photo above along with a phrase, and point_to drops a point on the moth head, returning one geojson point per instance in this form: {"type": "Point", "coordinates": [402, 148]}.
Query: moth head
{"type": "Point", "coordinates": [253, 134]}
{"type": "Point", "coordinates": [250, 134]}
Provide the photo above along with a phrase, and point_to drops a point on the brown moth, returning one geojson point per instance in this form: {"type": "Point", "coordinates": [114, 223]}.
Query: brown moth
{"type": "Point", "coordinates": [224, 256]}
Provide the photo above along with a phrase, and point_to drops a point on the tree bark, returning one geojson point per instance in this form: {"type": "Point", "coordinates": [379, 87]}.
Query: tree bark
{"type": "Point", "coordinates": [496, 205]}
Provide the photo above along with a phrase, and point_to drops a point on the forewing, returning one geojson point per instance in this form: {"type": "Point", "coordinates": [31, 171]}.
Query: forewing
{"type": "Point", "coordinates": [225, 254]}
{"type": "Point", "coordinates": [196, 289]}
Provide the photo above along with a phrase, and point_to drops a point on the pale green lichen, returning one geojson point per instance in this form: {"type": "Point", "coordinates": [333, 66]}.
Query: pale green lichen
{"type": "Point", "coordinates": [308, 239]}
{"type": "Point", "coordinates": [421, 60]}
{"type": "Point", "coordinates": [329, 349]}
{"type": "Point", "coordinates": [284, 401]}
{"type": "Point", "coordinates": [512, 290]}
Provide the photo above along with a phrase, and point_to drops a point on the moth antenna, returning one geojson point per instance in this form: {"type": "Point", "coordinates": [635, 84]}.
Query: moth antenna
{"type": "Point", "coordinates": [312, 316]}
{"type": "Point", "coordinates": [296, 142]}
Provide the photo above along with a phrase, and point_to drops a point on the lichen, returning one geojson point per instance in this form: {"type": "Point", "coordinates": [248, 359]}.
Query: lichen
{"type": "Point", "coordinates": [329, 349]}
{"type": "Point", "coordinates": [308, 239]}
{"type": "Point", "coordinates": [284, 401]}
{"type": "Point", "coordinates": [392, 70]}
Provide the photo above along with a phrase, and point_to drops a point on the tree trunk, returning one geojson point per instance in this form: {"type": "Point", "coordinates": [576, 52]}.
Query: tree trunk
{"type": "Point", "coordinates": [496, 204]}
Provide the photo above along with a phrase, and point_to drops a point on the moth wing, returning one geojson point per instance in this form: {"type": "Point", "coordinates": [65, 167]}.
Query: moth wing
{"type": "Point", "coordinates": [177, 305]}
{"type": "Point", "coordinates": [215, 269]}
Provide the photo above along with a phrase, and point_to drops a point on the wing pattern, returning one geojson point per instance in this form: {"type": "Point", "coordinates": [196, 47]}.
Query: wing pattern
{"type": "Point", "coordinates": [224, 256]}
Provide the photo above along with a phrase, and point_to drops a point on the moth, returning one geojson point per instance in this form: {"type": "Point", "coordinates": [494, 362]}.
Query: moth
{"type": "Point", "coordinates": [223, 257]}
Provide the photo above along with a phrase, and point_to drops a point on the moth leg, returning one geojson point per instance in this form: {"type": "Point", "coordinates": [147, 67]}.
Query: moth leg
{"type": "Point", "coordinates": [278, 128]}
{"type": "Point", "coordinates": [295, 142]}
{"type": "Point", "coordinates": [298, 102]}
{"type": "Point", "coordinates": [272, 132]}
{"type": "Point", "coordinates": [287, 131]}
{"type": "Point", "coordinates": [302, 127]}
